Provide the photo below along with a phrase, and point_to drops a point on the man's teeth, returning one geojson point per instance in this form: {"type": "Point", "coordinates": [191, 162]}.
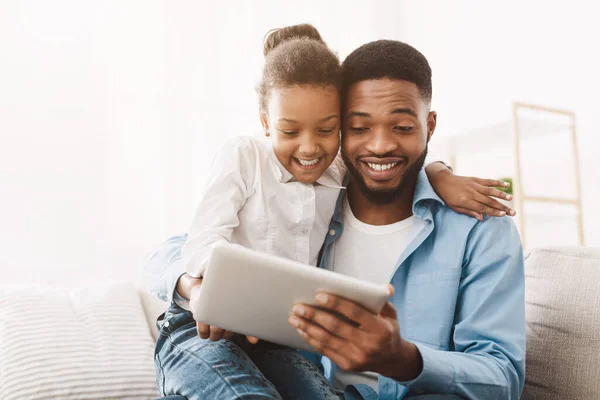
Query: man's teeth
{"type": "Point", "coordinates": [308, 163]}
{"type": "Point", "coordinates": [381, 167]}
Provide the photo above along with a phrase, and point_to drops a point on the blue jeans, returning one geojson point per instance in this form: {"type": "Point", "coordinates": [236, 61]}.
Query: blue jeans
{"type": "Point", "coordinates": [197, 368]}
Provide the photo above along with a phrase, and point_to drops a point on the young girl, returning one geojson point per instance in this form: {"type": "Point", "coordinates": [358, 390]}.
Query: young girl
{"type": "Point", "coordinates": [277, 194]}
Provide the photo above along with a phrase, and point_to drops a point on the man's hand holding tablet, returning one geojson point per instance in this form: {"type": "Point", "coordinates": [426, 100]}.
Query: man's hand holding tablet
{"type": "Point", "coordinates": [357, 339]}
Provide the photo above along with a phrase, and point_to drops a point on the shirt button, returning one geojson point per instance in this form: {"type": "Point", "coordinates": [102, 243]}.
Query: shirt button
{"type": "Point", "coordinates": [332, 232]}
{"type": "Point", "coordinates": [167, 324]}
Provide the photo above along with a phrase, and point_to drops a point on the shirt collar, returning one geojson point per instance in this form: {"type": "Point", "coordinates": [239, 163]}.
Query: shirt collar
{"type": "Point", "coordinates": [423, 198]}
{"type": "Point", "coordinates": [424, 191]}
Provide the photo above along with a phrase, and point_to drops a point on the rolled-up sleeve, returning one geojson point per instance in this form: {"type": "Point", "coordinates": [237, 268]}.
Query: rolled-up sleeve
{"type": "Point", "coordinates": [488, 359]}
{"type": "Point", "coordinates": [163, 267]}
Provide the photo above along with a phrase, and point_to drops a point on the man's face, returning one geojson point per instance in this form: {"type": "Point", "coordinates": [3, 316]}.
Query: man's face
{"type": "Point", "coordinates": [386, 128]}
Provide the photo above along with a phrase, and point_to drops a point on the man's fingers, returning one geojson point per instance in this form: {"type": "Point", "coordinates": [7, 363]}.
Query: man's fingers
{"type": "Point", "coordinates": [391, 289]}
{"type": "Point", "coordinates": [389, 311]}
{"type": "Point", "coordinates": [335, 324]}
{"type": "Point", "coordinates": [203, 330]}
{"type": "Point", "coordinates": [337, 350]}
{"type": "Point", "coordinates": [315, 335]}
{"type": "Point", "coordinates": [354, 312]}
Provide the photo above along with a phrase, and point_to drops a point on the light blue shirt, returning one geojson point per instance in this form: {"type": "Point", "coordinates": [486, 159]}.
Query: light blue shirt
{"type": "Point", "coordinates": [459, 295]}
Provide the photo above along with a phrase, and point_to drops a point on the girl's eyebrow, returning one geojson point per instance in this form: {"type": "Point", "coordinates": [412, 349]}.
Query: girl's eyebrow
{"type": "Point", "coordinates": [293, 121]}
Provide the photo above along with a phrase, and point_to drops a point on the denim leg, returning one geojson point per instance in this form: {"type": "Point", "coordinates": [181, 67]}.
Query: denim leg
{"type": "Point", "coordinates": [294, 376]}
{"type": "Point", "coordinates": [197, 369]}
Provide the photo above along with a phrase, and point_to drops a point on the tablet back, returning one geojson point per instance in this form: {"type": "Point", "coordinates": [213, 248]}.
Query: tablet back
{"type": "Point", "coordinates": [252, 293]}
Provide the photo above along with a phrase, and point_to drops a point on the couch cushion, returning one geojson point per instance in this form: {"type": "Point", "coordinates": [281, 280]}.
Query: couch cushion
{"type": "Point", "coordinates": [91, 343]}
{"type": "Point", "coordinates": [563, 324]}
{"type": "Point", "coordinates": [153, 308]}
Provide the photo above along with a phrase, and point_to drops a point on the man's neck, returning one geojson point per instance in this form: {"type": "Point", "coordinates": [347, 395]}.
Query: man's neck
{"type": "Point", "coordinates": [379, 214]}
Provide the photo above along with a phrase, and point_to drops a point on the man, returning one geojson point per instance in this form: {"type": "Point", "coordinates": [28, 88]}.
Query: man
{"type": "Point", "coordinates": [455, 325]}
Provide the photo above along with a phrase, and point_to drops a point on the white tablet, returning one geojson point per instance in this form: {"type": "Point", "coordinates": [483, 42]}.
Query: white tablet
{"type": "Point", "coordinates": [253, 293]}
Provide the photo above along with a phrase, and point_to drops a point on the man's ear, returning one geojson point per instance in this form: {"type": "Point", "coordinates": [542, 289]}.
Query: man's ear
{"type": "Point", "coordinates": [431, 124]}
{"type": "Point", "coordinates": [264, 121]}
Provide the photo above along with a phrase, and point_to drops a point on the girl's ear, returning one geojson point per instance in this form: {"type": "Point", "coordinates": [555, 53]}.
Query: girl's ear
{"type": "Point", "coordinates": [264, 121]}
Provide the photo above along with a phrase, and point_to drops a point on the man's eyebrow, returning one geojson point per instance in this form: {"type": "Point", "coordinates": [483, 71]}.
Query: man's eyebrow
{"type": "Point", "coordinates": [409, 111]}
{"type": "Point", "coordinates": [330, 117]}
{"type": "Point", "coordinates": [293, 121]}
{"type": "Point", "coordinates": [358, 114]}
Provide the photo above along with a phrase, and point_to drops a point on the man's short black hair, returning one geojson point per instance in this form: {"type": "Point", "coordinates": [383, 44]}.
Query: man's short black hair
{"type": "Point", "coordinates": [388, 59]}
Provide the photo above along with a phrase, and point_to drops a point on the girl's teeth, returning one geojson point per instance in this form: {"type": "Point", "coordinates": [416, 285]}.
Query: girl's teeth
{"type": "Point", "coordinates": [381, 167]}
{"type": "Point", "coordinates": [308, 163]}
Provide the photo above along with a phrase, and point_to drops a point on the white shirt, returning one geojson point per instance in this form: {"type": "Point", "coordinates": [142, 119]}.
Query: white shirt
{"type": "Point", "coordinates": [371, 253]}
{"type": "Point", "coordinates": [253, 201]}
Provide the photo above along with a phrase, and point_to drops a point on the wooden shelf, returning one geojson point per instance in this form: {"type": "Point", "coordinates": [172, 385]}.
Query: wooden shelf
{"type": "Point", "coordinates": [529, 122]}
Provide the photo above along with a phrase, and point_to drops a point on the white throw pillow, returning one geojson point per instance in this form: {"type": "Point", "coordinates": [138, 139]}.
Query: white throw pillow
{"type": "Point", "coordinates": [91, 343]}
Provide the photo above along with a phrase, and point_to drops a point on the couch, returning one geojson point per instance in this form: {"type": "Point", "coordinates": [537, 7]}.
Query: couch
{"type": "Point", "coordinates": [563, 331]}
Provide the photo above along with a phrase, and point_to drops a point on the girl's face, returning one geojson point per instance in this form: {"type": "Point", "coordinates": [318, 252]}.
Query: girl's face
{"type": "Point", "coordinates": [304, 124]}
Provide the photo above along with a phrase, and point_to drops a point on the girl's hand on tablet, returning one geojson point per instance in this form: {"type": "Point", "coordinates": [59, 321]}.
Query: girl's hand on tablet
{"type": "Point", "coordinates": [215, 334]}
{"type": "Point", "coordinates": [212, 332]}
{"type": "Point", "coordinates": [252, 339]}
{"type": "Point", "coordinates": [189, 287]}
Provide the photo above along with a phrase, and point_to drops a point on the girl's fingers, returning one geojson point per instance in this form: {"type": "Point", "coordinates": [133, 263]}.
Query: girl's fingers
{"type": "Point", "coordinates": [228, 335]}
{"type": "Point", "coordinates": [491, 182]}
{"type": "Point", "coordinates": [252, 339]}
{"type": "Point", "coordinates": [493, 192]}
{"type": "Point", "coordinates": [482, 208]}
{"type": "Point", "coordinates": [216, 333]}
{"type": "Point", "coordinates": [203, 330]}
{"type": "Point", "coordinates": [470, 213]}
{"type": "Point", "coordinates": [500, 210]}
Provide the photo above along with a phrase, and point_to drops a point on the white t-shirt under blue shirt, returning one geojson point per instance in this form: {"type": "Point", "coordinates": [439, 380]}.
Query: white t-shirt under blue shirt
{"type": "Point", "coordinates": [370, 253]}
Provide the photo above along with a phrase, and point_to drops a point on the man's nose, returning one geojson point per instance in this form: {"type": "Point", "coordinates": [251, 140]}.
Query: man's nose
{"type": "Point", "coordinates": [382, 141]}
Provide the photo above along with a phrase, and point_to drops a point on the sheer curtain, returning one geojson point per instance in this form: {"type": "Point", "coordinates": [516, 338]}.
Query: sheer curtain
{"type": "Point", "coordinates": [110, 113]}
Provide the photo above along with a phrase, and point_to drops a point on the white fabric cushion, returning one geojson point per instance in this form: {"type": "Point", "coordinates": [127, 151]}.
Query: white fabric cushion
{"type": "Point", "coordinates": [80, 344]}
{"type": "Point", "coordinates": [562, 295]}
{"type": "Point", "coordinates": [153, 308]}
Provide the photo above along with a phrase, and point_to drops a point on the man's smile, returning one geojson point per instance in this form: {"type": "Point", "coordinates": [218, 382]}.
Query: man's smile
{"type": "Point", "coordinates": [381, 169]}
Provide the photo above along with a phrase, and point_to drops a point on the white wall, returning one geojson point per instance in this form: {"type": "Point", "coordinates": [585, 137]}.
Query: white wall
{"type": "Point", "coordinates": [110, 110]}
{"type": "Point", "coordinates": [485, 55]}
{"type": "Point", "coordinates": [81, 129]}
